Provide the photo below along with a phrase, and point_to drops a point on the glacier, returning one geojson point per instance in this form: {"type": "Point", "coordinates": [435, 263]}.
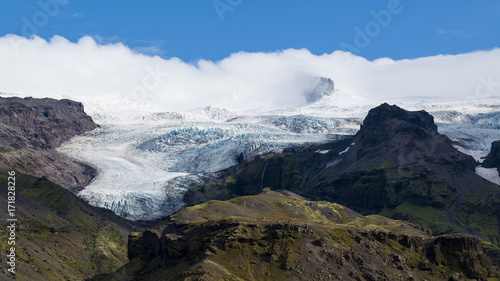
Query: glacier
{"type": "Point", "coordinates": [147, 160]}
{"type": "Point", "coordinates": [144, 167]}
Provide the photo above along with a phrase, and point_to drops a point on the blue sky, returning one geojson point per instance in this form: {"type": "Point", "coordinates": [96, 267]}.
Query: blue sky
{"type": "Point", "coordinates": [212, 30]}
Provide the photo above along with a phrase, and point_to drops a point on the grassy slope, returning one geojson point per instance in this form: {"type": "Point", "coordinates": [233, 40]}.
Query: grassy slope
{"type": "Point", "coordinates": [61, 237]}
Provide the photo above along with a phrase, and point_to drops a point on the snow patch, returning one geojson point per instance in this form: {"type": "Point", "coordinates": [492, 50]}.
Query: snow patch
{"type": "Point", "coordinates": [344, 151]}
{"type": "Point", "coordinates": [489, 174]}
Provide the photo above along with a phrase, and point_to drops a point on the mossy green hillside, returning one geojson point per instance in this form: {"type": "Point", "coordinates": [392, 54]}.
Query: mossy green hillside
{"type": "Point", "coordinates": [482, 213]}
{"type": "Point", "coordinates": [275, 237]}
{"type": "Point", "coordinates": [62, 238]}
{"type": "Point", "coordinates": [271, 208]}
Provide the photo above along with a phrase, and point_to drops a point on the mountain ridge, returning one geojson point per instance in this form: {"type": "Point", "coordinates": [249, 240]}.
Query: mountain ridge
{"type": "Point", "coordinates": [31, 130]}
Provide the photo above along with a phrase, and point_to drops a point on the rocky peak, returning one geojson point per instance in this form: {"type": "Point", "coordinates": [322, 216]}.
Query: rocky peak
{"type": "Point", "coordinates": [492, 160]}
{"type": "Point", "coordinates": [390, 133]}
{"type": "Point", "coordinates": [386, 112]}
{"type": "Point", "coordinates": [321, 87]}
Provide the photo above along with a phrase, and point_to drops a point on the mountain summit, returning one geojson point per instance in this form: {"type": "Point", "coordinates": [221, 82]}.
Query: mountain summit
{"type": "Point", "coordinates": [392, 134]}
{"type": "Point", "coordinates": [320, 88]}
{"type": "Point", "coordinates": [386, 113]}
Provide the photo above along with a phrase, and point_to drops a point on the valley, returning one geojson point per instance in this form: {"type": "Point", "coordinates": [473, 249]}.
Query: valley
{"type": "Point", "coordinates": [415, 202]}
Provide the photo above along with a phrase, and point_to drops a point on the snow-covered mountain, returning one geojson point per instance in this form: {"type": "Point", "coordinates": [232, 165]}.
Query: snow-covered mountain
{"type": "Point", "coordinates": [146, 161]}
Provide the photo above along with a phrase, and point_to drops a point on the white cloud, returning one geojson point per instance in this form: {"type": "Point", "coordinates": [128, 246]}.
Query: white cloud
{"type": "Point", "coordinates": [452, 32]}
{"type": "Point", "coordinates": [88, 71]}
{"type": "Point", "coordinates": [150, 50]}
{"type": "Point", "coordinates": [458, 33]}
{"type": "Point", "coordinates": [78, 15]}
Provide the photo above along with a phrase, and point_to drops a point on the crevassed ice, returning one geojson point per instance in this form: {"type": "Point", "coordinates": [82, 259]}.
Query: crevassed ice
{"type": "Point", "coordinates": [146, 164]}
{"type": "Point", "coordinates": [144, 168]}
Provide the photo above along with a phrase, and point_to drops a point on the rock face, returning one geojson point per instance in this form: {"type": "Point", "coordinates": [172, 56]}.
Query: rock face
{"type": "Point", "coordinates": [31, 129]}
{"type": "Point", "coordinates": [392, 134]}
{"type": "Point", "coordinates": [492, 160]}
{"type": "Point", "coordinates": [321, 87]}
{"type": "Point", "coordinates": [397, 165]}
{"type": "Point", "coordinates": [386, 112]}
{"type": "Point", "coordinates": [275, 237]}
{"type": "Point", "coordinates": [44, 123]}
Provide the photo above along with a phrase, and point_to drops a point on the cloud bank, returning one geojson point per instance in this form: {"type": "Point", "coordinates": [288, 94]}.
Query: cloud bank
{"type": "Point", "coordinates": [88, 71]}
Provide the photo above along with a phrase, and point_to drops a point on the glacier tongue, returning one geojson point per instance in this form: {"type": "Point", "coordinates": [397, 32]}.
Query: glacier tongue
{"type": "Point", "coordinates": [130, 182]}
{"type": "Point", "coordinates": [145, 167]}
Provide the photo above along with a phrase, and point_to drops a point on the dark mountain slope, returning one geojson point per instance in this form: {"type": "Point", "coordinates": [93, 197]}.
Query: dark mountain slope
{"type": "Point", "coordinates": [31, 129]}
{"type": "Point", "coordinates": [59, 236]}
{"type": "Point", "coordinates": [275, 237]}
{"type": "Point", "coordinates": [397, 165]}
{"type": "Point", "coordinates": [492, 160]}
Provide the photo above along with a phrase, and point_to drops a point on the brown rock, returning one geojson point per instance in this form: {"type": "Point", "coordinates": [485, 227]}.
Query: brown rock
{"type": "Point", "coordinates": [31, 129]}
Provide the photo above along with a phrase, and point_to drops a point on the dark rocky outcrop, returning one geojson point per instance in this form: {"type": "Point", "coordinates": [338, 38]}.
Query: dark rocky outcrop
{"type": "Point", "coordinates": [44, 123]}
{"type": "Point", "coordinates": [392, 134]}
{"type": "Point", "coordinates": [31, 130]}
{"type": "Point", "coordinates": [386, 112]}
{"type": "Point", "coordinates": [492, 160]}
